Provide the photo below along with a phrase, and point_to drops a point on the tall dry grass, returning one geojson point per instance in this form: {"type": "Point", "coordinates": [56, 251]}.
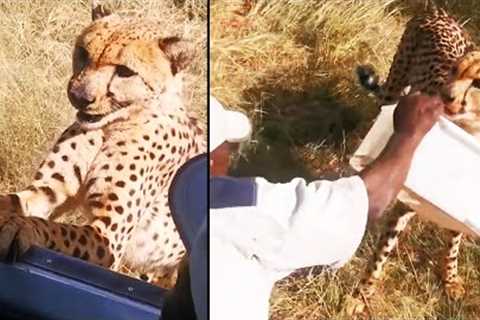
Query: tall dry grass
{"type": "Point", "coordinates": [290, 65]}
{"type": "Point", "coordinates": [36, 39]}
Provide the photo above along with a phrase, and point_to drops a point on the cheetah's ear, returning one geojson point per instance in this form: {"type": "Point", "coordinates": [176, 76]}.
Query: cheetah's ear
{"type": "Point", "coordinates": [99, 10]}
{"type": "Point", "coordinates": [179, 51]}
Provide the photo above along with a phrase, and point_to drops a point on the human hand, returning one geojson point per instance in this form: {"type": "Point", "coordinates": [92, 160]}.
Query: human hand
{"type": "Point", "coordinates": [416, 114]}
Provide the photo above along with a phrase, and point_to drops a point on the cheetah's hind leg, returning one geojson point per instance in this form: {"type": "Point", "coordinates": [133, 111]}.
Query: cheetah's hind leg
{"type": "Point", "coordinates": [453, 283]}
{"type": "Point", "coordinates": [356, 306]}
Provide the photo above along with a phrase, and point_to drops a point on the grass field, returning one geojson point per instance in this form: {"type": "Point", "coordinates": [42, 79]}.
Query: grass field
{"type": "Point", "coordinates": [290, 66]}
{"type": "Point", "coordinates": [36, 40]}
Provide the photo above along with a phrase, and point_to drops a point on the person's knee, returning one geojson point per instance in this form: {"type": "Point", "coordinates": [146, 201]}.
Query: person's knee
{"type": "Point", "coordinates": [178, 301]}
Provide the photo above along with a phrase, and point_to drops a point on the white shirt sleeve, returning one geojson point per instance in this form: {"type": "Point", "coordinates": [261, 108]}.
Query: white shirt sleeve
{"type": "Point", "coordinates": [292, 225]}
{"type": "Point", "coordinates": [297, 224]}
{"type": "Point", "coordinates": [324, 221]}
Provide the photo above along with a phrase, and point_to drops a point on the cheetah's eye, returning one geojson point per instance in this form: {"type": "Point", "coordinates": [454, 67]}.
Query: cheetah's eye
{"type": "Point", "coordinates": [125, 72]}
{"type": "Point", "coordinates": [82, 57]}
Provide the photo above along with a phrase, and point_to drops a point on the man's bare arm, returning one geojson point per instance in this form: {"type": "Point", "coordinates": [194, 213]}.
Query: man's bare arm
{"type": "Point", "coordinates": [413, 118]}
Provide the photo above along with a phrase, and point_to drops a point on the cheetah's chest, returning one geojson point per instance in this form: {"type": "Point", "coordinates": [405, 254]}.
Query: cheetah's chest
{"type": "Point", "coordinates": [131, 176]}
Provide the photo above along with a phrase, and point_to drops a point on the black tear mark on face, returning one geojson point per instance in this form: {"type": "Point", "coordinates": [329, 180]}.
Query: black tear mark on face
{"type": "Point", "coordinates": [124, 72]}
{"type": "Point", "coordinates": [476, 83]}
{"type": "Point", "coordinates": [82, 58]}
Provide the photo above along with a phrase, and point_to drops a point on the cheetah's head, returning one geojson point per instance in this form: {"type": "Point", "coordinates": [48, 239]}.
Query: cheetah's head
{"type": "Point", "coordinates": [463, 90]}
{"type": "Point", "coordinates": [120, 63]}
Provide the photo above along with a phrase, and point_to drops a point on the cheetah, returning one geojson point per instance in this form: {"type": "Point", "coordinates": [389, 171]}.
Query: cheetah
{"type": "Point", "coordinates": [435, 56]}
{"type": "Point", "coordinates": [116, 161]}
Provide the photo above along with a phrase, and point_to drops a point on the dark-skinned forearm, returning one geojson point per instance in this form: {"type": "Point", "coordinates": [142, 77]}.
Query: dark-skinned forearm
{"type": "Point", "coordinates": [385, 176]}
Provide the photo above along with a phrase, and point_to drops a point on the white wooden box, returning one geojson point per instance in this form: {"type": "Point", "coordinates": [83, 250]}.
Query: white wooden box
{"type": "Point", "coordinates": [443, 184]}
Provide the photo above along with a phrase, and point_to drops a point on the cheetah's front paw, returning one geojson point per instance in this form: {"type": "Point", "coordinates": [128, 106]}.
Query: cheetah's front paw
{"type": "Point", "coordinates": [17, 235]}
{"type": "Point", "coordinates": [454, 289]}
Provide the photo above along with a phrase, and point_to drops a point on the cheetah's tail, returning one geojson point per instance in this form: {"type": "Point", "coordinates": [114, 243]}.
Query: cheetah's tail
{"type": "Point", "coordinates": [368, 78]}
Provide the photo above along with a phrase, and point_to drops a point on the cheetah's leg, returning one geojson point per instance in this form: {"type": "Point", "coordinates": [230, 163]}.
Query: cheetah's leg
{"type": "Point", "coordinates": [59, 176]}
{"type": "Point", "coordinates": [453, 283]}
{"type": "Point", "coordinates": [399, 73]}
{"type": "Point", "coordinates": [452, 91]}
{"type": "Point", "coordinates": [368, 284]}
{"type": "Point", "coordinates": [102, 242]}
{"type": "Point", "coordinates": [18, 234]}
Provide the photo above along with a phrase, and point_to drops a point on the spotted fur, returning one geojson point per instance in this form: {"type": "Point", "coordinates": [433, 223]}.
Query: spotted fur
{"type": "Point", "coordinates": [429, 48]}
{"type": "Point", "coordinates": [116, 161]}
{"type": "Point", "coordinates": [435, 56]}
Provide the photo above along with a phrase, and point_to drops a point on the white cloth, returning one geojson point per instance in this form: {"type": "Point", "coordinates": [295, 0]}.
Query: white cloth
{"type": "Point", "coordinates": [226, 125]}
{"type": "Point", "coordinates": [292, 225]}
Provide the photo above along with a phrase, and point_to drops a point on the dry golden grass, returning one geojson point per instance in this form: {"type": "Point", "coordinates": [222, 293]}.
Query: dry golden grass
{"type": "Point", "coordinates": [290, 65]}
{"type": "Point", "coordinates": [36, 39]}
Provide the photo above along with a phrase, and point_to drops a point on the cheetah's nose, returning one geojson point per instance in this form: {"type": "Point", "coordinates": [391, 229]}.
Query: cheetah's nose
{"type": "Point", "coordinates": [79, 98]}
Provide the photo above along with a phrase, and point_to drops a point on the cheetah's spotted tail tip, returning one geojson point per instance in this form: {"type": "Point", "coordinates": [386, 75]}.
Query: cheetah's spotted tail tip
{"type": "Point", "coordinates": [368, 78]}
